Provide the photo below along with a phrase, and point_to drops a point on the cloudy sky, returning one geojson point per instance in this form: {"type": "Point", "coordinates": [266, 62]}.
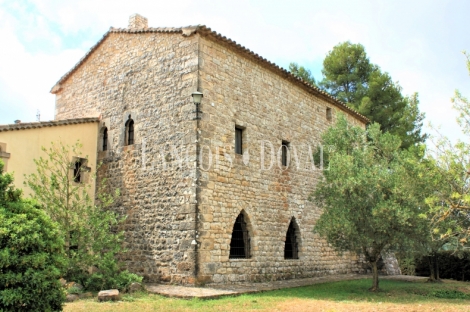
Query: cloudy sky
{"type": "Point", "coordinates": [418, 42]}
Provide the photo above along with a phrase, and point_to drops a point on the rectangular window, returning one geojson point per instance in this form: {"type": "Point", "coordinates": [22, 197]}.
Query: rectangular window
{"type": "Point", "coordinates": [328, 113]}
{"type": "Point", "coordinates": [79, 172]}
{"type": "Point", "coordinates": [238, 140]}
{"type": "Point", "coordinates": [285, 151]}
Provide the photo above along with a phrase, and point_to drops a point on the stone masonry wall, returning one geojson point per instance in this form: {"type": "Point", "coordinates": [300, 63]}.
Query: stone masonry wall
{"type": "Point", "coordinates": [240, 91]}
{"type": "Point", "coordinates": [149, 76]}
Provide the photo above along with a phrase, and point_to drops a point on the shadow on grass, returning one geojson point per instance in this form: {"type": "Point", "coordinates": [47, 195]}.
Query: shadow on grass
{"type": "Point", "coordinates": [391, 291]}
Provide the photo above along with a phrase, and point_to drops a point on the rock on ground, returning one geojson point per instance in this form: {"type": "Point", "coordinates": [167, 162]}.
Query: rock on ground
{"type": "Point", "coordinates": [108, 295]}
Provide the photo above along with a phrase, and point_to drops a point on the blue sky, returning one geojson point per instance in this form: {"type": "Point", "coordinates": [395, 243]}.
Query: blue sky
{"type": "Point", "coordinates": [418, 42]}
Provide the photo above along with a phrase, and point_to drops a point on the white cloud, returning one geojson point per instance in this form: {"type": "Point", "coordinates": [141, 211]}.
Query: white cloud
{"type": "Point", "coordinates": [45, 38]}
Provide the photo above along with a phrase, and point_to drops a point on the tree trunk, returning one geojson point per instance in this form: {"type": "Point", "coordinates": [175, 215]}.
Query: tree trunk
{"type": "Point", "coordinates": [433, 268]}
{"type": "Point", "coordinates": [436, 266]}
{"type": "Point", "coordinates": [375, 277]}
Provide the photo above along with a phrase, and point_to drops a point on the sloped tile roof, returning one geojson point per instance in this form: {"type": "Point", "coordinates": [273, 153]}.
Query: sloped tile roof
{"type": "Point", "coordinates": [206, 31]}
{"type": "Point", "coordinates": [51, 123]}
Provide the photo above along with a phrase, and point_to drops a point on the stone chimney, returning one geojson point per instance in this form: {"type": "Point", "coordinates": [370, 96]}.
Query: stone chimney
{"type": "Point", "coordinates": [137, 21]}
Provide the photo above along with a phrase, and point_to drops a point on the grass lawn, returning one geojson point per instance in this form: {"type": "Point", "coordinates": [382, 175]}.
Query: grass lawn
{"type": "Point", "coordinates": [337, 296]}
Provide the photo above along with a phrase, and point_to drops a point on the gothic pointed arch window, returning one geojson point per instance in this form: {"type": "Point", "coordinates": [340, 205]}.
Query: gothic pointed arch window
{"type": "Point", "coordinates": [129, 140]}
{"type": "Point", "coordinates": [291, 246]}
{"type": "Point", "coordinates": [240, 242]}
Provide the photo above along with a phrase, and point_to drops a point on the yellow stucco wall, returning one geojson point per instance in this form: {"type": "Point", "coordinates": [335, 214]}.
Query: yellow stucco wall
{"type": "Point", "coordinates": [24, 145]}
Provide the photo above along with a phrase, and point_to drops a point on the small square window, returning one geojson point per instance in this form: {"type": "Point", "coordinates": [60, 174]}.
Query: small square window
{"type": "Point", "coordinates": [328, 113]}
{"type": "Point", "coordinates": [284, 153]}
{"type": "Point", "coordinates": [238, 140]}
{"type": "Point", "coordinates": [79, 170]}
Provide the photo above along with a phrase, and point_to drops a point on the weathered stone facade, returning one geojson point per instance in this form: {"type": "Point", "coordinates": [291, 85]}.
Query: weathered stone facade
{"type": "Point", "coordinates": [180, 209]}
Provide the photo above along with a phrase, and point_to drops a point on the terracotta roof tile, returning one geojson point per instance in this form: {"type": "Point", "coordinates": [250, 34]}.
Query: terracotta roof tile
{"type": "Point", "coordinates": [51, 123]}
{"type": "Point", "coordinates": [206, 31]}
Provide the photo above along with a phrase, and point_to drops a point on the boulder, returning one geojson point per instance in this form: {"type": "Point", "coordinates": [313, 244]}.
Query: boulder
{"type": "Point", "coordinates": [108, 295]}
{"type": "Point", "coordinates": [63, 281]}
{"type": "Point", "coordinates": [71, 298]}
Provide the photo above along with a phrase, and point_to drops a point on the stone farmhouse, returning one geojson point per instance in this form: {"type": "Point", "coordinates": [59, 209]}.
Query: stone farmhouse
{"type": "Point", "coordinates": [213, 189]}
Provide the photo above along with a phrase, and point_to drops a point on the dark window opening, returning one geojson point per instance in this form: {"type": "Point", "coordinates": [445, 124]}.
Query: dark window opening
{"type": "Point", "coordinates": [328, 113]}
{"type": "Point", "coordinates": [291, 246]}
{"type": "Point", "coordinates": [105, 139]}
{"type": "Point", "coordinates": [129, 131]}
{"type": "Point", "coordinates": [77, 174]}
{"type": "Point", "coordinates": [238, 140]}
{"type": "Point", "coordinates": [240, 243]}
{"type": "Point", "coordinates": [284, 154]}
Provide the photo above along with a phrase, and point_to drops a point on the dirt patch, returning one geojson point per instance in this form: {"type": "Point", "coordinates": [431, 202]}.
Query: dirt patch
{"type": "Point", "coordinates": [297, 305]}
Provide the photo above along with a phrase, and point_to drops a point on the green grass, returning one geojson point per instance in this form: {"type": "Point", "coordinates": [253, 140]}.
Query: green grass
{"type": "Point", "coordinates": [443, 296]}
{"type": "Point", "coordinates": [391, 291]}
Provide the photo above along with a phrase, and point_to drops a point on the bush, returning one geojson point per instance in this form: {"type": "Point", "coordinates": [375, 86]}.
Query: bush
{"type": "Point", "coordinates": [407, 265]}
{"type": "Point", "coordinates": [121, 281]}
{"type": "Point", "coordinates": [31, 259]}
{"type": "Point", "coordinates": [89, 228]}
{"type": "Point", "coordinates": [106, 274]}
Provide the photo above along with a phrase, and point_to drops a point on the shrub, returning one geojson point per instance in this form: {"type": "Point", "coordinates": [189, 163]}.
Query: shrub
{"type": "Point", "coordinates": [407, 265]}
{"type": "Point", "coordinates": [89, 228]}
{"type": "Point", "coordinates": [31, 259]}
{"type": "Point", "coordinates": [121, 281]}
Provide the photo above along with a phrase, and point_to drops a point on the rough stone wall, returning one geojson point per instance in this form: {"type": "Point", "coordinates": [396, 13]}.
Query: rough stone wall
{"type": "Point", "coordinates": [240, 91]}
{"type": "Point", "coordinates": [149, 76]}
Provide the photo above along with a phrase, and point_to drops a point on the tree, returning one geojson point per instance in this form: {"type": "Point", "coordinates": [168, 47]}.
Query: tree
{"type": "Point", "coordinates": [370, 195]}
{"type": "Point", "coordinates": [450, 200]}
{"type": "Point", "coordinates": [87, 226]}
{"type": "Point", "coordinates": [302, 73]}
{"type": "Point", "coordinates": [350, 77]}
{"type": "Point", "coordinates": [31, 254]}
{"type": "Point", "coordinates": [346, 71]}
{"type": "Point", "coordinates": [447, 225]}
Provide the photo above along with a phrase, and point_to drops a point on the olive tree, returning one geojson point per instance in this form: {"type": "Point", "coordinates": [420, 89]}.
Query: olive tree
{"type": "Point", "coordinates": [370, 195]}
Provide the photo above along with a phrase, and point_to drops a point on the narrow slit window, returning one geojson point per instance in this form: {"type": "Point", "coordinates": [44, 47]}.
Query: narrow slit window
{"type": "Point", "coordinates": [240, 243]}
{"type": "Point", "coordinates": [238, 140]}
{"type": "Point", "coordinates": [129, 131]}
{"type": "Point", "coordinates": [105, 139]}
{"type": "Point", "coordinates": [291, 250]}
{"type": "Point", "coordinates": [285, 153]}
{"type": "Point", "coordinates": [328, 113]}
